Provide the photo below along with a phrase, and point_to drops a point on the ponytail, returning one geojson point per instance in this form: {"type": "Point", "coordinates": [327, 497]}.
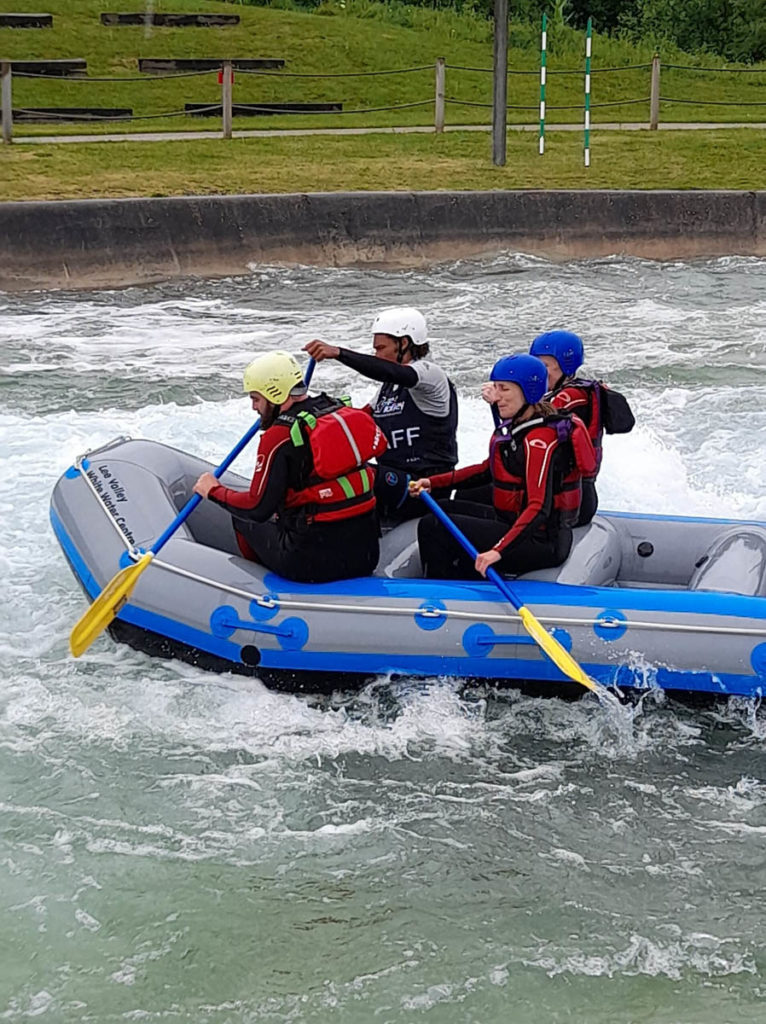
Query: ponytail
{"type": "Point", "coordinates": [542, 408]}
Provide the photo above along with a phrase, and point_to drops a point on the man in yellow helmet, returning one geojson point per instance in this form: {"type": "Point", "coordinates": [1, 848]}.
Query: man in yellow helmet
{"type": "Point", "coordinates": [309, 514]}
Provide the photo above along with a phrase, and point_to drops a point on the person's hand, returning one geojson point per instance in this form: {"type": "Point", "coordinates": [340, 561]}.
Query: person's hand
{"type": "Point", "coordinates": [416, 486]}
{"type": "Point", "coordinates": [205, 484]}
{"type": "Point", "coordinates": [489, 392]}
{"type": "Point", "coordinates": [485, 559]}
{"type": "Point", "coordinates": [320, 350]}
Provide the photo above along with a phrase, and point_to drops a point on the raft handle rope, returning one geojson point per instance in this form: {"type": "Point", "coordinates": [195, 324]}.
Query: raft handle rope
{"type": "Point", "coordinates": [266, 601]}
{"type": "Point", "coordinates": [82, 464]}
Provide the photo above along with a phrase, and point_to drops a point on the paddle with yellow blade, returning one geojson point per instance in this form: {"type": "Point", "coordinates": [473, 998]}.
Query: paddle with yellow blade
{"type": "Point", "coordinates": [115, 594]}
{"type": "Point", "coordinates": [545, 640]}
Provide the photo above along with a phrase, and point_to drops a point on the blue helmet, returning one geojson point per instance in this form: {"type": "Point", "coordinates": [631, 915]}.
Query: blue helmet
{"type": "Point", "coordinates": [526, 371]}
{"type": "Point", "coordinates": [565, 347]}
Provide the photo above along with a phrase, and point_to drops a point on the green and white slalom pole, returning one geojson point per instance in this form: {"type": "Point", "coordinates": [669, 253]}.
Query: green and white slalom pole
{"type": "Point", "coordinates": [543, 48]}
{"type": "Point", "coordinates": [588, 35]}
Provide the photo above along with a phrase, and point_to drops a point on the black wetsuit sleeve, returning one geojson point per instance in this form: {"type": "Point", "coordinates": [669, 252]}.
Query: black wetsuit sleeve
{"type": "Point", "coordinates": [379, 369]}
{"type": "Point", "coordinates": [271, 493]}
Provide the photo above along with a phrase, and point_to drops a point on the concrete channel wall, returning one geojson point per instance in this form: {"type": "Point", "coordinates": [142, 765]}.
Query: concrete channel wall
{"type": "Point", "coordinates": [113, 243]}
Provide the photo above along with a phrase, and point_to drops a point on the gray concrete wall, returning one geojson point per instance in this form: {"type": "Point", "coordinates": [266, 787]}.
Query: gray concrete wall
{"type": "Point", "coordinates": [110, 243]}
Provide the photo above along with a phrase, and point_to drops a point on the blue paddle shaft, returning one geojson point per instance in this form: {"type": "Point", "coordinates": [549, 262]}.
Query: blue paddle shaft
{"type": "Point", "coordinates": [195, 499]}
{"type": "Point", "coordinates": [465, 543]}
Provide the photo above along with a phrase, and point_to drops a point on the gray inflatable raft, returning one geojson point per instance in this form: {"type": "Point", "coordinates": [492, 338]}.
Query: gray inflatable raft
{"type": "Point", "coordinates": [669, 601]}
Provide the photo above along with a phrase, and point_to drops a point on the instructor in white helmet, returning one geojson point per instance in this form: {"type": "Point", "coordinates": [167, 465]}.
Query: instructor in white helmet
{"type": "Point", "coordinates": [416, 407]}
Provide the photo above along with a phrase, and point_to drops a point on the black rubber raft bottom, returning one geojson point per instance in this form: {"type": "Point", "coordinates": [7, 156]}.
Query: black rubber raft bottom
{"type": "Point", "coordinates": [290, 681]}
{"type": "Point", "coordinates": [324, 684]}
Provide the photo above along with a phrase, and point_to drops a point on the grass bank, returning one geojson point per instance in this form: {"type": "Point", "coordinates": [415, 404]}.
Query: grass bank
{"type": "Point", "coordinates": [351, 38]}
{"type": "Point", "coordinates": [704, 159]}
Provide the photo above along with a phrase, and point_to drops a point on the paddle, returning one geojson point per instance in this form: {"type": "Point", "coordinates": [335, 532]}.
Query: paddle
{"type": "Point", "coordinates": [549, 644]}
{"type": "Point", "coordinates": [117, 591]}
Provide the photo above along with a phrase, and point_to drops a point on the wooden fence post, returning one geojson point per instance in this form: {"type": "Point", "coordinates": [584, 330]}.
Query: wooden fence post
{"type": "Point", "coordinates": [226, 90]}
{"type": "Point", "coordinates": [654, 94]}
{"type": "Point", "coordinates": [5, 101]}
{"type": "Point", "coordinates": [439, 97]}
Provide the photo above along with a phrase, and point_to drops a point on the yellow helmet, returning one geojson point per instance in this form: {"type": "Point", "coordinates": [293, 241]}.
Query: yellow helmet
{"type": "Point", "coordinates": [273, 375]}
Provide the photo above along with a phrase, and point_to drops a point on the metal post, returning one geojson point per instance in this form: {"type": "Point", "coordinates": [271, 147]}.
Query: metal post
{"type": "Point", "coordinates": [226, 90]}
{"type": "Point", "coordinates": [654, 94]}
{"type": "Point", "coordinates": [588, 34]}
{"type": "Point", "coordinates": [500, 83]}
{"type": "Point", "coordinates": [439, 97]}
{"type": "Point", "coordinates": [5, 101]}
{"type": "Point", "coordinates": [543, 49]}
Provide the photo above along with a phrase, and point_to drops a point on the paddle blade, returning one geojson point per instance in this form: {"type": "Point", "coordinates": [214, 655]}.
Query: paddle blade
{"type": "Point", "coordinates": [560, 657]}
{"type": "Point", "coordinates": [106, 606]}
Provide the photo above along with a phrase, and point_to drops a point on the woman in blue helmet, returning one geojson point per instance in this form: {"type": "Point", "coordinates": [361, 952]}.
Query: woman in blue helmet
{"type": "Point", "coordinates": [537, 457]}
{"type": "Point", "coordinates": [598, 407]}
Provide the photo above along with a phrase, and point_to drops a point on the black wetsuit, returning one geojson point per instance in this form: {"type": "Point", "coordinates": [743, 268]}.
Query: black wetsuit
{"type": "Point", "coordinates": [419, 443]}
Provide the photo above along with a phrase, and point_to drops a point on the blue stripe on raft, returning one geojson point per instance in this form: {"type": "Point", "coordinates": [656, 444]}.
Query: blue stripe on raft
{"type": "Point", "coordinates": [606, 514]}
{"type": "Point", "coordinates": [530, 592]}
{"type": "Point", "coordinates": [152, 621]}
{"type": "Point", "coordinates": [164, 626]}
{"type": "Point", "coordinates": [725, 684]}
{"type": "Point", "coordinates": [73, 555]}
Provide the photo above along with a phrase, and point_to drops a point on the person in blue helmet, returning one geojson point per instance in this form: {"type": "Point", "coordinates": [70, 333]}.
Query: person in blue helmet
{"type": "Point", "coordinates": [600, 408]}
{"type": "Point", "coordinates": [537, 458]}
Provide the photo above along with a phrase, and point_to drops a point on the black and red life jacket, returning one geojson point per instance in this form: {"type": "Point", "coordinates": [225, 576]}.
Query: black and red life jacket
{"type": "Point", "coordinates": [607, 410]}
{"type": "Point", "coordinates": [591, 415]}
{"type": "Point", "coordinates": [572, 457]}
{"type": "Point", "coordinates": [341, 441]}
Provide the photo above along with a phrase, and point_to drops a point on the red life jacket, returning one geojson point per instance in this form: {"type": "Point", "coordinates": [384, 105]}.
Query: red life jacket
{"type": "Point", "coordinates": [341, 440]}
{"type": "Point", "coordinates": [571, 458]}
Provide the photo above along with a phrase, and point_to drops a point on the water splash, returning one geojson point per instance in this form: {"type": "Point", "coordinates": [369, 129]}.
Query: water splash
{"type": "Point", "coordinates": [416, 845]}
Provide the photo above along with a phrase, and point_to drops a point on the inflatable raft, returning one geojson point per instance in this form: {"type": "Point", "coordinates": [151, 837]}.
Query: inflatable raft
{"type": "Point", "coordinates": [669, 601]}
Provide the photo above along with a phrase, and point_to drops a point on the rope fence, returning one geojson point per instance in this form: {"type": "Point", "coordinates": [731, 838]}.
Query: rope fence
{"type": "Point", "coordinates": [562, 106]}
{"type": "Point", "coordinates": [560, 71]}
{"type": "Point", "coordinates": [334, 74]}
{"type": "Point", "coordinates": [227, 107]}
{"type": "Point", "coordinates": [715, 103]}
{"type": "Point", "coordinates": [725, 71]}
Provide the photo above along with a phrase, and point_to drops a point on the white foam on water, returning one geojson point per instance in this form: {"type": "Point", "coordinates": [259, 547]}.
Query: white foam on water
{"type": "Point", "coordinates": [695, 953]}
{"type": "Point", "coordinates": [469, 808]}
{"type": "Point", "coordinates": [652, 468]}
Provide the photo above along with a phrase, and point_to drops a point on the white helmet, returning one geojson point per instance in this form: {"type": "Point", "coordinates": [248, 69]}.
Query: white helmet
{"type": "Point", "coordinates": [401, 321]}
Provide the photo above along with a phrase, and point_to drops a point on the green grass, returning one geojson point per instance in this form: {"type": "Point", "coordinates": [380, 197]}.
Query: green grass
{"type": "Point", "coordinates": [733, 158]}
{"type": "Point", "coordinates": [350, 38]}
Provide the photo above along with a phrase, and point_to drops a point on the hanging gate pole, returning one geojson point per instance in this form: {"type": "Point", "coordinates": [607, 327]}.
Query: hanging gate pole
{"type": "Point", "coordinates": [543, 48]}
{"type": "Point", "coordinates": [588, 35]}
